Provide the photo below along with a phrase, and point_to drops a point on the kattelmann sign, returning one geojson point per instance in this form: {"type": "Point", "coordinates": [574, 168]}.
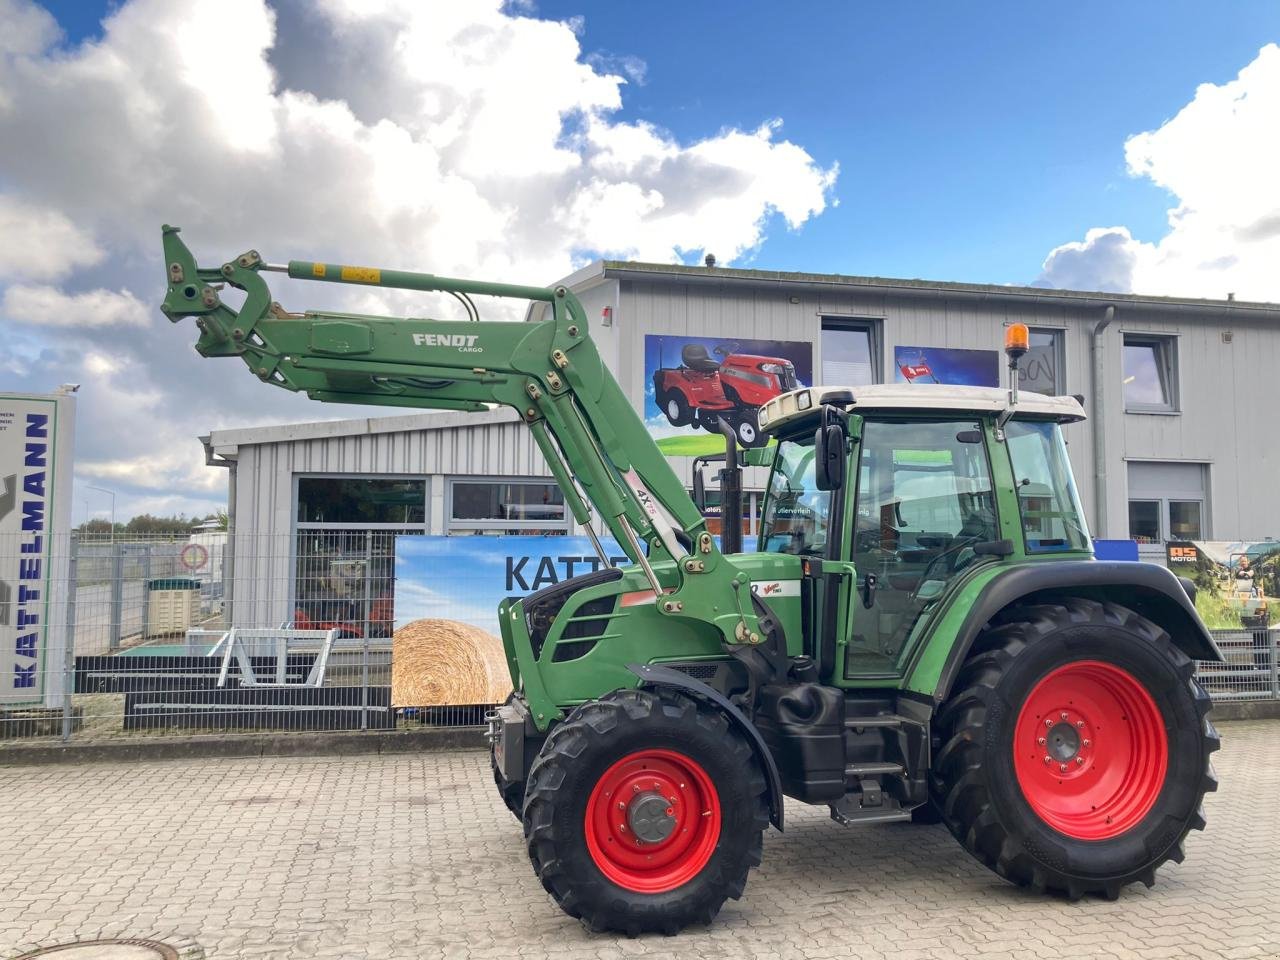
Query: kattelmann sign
{"type": "Point", "coordinates": [36, 434]}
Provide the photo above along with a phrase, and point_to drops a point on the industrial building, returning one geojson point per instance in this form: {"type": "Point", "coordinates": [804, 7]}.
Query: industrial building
{"type": "Point", "coordinates": [1182, 442]}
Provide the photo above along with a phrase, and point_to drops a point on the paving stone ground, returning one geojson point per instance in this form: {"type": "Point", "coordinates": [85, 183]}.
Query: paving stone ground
{"type": "Point", "coordinates": [414, 856]}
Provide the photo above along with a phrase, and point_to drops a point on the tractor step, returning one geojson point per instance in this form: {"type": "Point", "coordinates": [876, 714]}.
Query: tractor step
{"type": "Point", "coordinates": [849, 810]}
{"type": "Point", "coordinates": [856, 771]}
{"type": "Point", "coordinates": [889, 720]}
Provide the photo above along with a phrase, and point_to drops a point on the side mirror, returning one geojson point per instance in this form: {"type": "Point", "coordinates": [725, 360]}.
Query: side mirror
{"type": "Point", "coordinates": [699, 488]}
{"type": "Point", "coordinates": [829, 451]}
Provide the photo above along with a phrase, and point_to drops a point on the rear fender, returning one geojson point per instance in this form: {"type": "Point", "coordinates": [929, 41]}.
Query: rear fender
{"type": "Point", "coordinates": [1146, 588]}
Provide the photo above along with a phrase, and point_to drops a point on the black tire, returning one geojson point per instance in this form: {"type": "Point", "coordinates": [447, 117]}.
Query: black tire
{"type": "Point", "coordinates": [675, 408]}
{"type": "Point", "coordinates": [927, 814]}
{"type": "Point", "coordinates": [575, 757]}
{"type": "Point", "coordinates": [512, 794]}
{"type": "Point", "coordinates": [974, 781]}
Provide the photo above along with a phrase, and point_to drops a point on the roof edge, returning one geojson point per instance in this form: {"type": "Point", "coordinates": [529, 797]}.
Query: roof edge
{"type": "Point", "coordinates": [325, 429]}
{"type": "Point", "coordinates": [935, 288]}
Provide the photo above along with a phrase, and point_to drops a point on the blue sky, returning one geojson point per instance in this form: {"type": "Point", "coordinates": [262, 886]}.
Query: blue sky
{"type": "Point", "coordinates": [1023, 143]}
{"type": "Point", "coordinates": [969, 146]}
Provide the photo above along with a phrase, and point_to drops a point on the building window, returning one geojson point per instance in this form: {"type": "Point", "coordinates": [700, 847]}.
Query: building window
{"type": "Point", "coordinates": [345, 580]}
{"type": "Point", "coordinates": [751, 500]}
{"type": "Point", "coordinates": [1144, 521]}
{"type": "Point", "coordinates": [528, 507]}
{"type": "Point", "coordinates": [344, 550]}
{"type": "Point", "coordinates": [1042, 369]}
{"type": "Point", "coordinates": [1167, 501]}
{"type": "Point", "coordinates": [1150, 374]}
{"type": "Point", "coordinates": [1184, 520]}
{"type": "Point", "coordinates": [361, 500]}
{"type": "Point", "coordinates": [850, 351]}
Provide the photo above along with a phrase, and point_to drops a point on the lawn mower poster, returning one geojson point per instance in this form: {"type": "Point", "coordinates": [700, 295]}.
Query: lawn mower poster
{"type": "Point", "coordinates": [691, 383]}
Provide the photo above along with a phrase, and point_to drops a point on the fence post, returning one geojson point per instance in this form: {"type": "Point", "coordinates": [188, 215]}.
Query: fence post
{"type": "Point", "coordinates": [117, 596]}
{"type": "Point", "coordinates": [1273, 648]}
{"type": "Point", "coordinates": [146, 579]}
{"type": "Point", "coordinates": [69, 647]}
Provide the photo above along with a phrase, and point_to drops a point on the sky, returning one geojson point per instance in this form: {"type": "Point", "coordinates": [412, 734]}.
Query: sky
{"type": "Point", "coordinates": [1102, 146]}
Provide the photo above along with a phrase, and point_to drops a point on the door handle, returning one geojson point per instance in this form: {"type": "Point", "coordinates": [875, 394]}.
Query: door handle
{"type": "Point", "coordinates": [869, 590]}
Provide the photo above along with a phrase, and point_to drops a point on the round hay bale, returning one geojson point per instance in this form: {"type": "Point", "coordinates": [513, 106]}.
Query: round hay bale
{"type": "Point", "coordinates": [436, 663]}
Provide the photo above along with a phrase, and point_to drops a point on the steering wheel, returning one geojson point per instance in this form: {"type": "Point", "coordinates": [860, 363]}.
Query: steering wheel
{"type": "Point", "coordinates": [954, 548]}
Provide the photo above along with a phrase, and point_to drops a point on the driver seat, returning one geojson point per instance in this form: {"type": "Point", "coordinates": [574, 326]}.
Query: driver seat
{"type": "Point", "coordinates": [695, 357]}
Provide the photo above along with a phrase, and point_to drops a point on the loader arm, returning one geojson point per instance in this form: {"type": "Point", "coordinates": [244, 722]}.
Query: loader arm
{"type": "Point", "coordinates": [595, 444]}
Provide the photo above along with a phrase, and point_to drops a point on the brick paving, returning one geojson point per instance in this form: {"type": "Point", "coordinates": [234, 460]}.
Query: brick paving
{"type": "Point", "coordinates": [414, 856]}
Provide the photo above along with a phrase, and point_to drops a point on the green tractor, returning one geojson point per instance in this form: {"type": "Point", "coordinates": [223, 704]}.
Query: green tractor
{"type": "Point", "coordinates": [923, 632]}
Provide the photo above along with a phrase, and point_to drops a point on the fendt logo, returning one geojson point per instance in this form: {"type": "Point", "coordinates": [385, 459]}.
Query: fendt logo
{"type": "Point", "coordinates": [465, 342]}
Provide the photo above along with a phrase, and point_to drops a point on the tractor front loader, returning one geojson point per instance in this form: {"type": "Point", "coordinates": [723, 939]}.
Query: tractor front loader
{"type": "Point", "coordinates": [923, 631]}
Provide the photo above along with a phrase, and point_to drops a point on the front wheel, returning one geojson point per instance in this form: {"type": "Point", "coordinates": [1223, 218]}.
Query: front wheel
{"type": "Point", "coordinates": [1075, 749]}
{"type": "Point", "coordinates": [746, 426]}
{"type": "Point", "coordinates": [675, 406]}
{"type": "Point", "coordinates": [644, 811]}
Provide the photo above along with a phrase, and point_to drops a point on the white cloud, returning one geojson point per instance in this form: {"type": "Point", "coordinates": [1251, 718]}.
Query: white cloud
{"type": "Point", "coordinates": [454, 138]}
{"type": "Point", "coordinates": [27, 28]}
{"type": "Point", "coordinates": [1218, 158]}
{"type": "Point", "coordinates": [47, 306]}
{"type": "Point", "coordinates": [1105, 260]}
{"type": "Point", "coordinates": [41, 244]}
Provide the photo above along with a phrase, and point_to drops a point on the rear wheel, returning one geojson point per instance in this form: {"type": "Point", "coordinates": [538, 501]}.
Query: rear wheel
{"type": "Point", "coordinates": [1075, 749]}
{"type": "Point", "coordinates": [644, 812]}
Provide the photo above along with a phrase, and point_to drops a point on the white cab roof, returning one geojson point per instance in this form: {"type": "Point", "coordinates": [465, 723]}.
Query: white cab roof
{"type": "Point", "coordinates": [917, 397]}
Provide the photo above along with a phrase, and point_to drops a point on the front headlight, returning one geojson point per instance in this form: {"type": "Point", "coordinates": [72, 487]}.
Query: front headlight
{"type": "Point", "coordinates": [804, 400]}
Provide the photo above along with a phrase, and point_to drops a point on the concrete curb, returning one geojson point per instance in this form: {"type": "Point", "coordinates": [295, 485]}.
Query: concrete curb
{"type": "Point", "coordinates": [353, 743]}
{"type": "Point", "coordinates": [345, 743]}
{"type": "Point", "coordinates": [1245, 710]}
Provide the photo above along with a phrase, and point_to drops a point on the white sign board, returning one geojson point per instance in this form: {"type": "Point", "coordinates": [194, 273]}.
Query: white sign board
{"type": "Point", "coordinates": [36, 442]}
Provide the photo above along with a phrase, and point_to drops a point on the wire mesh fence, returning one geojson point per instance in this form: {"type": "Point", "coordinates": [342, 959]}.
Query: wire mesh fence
{"type": "Point", "coordinates": [211, 632]}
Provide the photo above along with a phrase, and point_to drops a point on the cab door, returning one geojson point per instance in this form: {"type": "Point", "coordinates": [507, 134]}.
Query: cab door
{"type": "Point", "coordinates": [807, 518]}
{"type": "Point", "coordinates": [924, 513]}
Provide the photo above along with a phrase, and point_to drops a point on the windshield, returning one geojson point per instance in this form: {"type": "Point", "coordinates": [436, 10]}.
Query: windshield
{"type": "Point", "coordinates": [796, 511]}
{"type": "Point", "coordinates": [1051, 516]}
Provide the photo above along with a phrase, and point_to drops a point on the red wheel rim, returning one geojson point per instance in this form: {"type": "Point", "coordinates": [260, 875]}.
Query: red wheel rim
{"type": "Point", "coordinates": [652, 821]}
{"type": "Point", "coordinates": [1090, 750]}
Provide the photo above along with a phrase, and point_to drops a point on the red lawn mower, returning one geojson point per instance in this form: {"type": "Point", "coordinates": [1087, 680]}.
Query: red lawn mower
{"type": "Point", "coordinates": [701, 390]}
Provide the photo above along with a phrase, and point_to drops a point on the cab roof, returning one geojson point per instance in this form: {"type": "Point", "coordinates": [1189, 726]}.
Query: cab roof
{"type": "Point", "coordinates": [915, 398]}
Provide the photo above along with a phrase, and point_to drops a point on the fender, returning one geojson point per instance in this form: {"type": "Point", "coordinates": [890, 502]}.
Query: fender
{"type": "Point", "coordinates": [1147, 588]}
{"type": "Point", "coordinates": [659, 676]}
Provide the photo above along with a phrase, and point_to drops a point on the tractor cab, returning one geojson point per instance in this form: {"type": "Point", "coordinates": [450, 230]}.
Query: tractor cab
{"type": "Point", "coordinates": [908, 491]}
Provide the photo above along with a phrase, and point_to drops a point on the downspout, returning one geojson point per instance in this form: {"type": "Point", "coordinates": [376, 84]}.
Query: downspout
{"type": "Point", "coordinates": [1099, 423]}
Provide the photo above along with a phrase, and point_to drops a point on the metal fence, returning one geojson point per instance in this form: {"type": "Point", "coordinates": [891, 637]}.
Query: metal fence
{"type": "Point", "coordinates": [209, 632]}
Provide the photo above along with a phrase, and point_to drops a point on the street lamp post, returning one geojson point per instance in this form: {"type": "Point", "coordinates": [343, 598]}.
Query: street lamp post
{"type": "Point", "coordinates": [112, 495]}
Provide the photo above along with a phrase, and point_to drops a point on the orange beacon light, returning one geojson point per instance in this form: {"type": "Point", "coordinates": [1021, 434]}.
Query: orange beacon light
{"type": "Point", "coordinates": [1017, 340]}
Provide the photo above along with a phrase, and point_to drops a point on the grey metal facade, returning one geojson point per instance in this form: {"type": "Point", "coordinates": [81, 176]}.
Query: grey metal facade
{"type": "Point", "coordinates": [1227, 359]}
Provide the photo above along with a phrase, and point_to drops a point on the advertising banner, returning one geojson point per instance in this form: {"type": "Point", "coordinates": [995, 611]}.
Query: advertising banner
{"type": "Point", "coordinates": [36, 435]}
{"type": "Point", "coordinates": [953, 366]}
{"type": "Point", "coordinates": [1237, 581]}
{"type": "Point", "coordinates": [693, 382]}
{"type": "Point", "coordinates": [465, 578]}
